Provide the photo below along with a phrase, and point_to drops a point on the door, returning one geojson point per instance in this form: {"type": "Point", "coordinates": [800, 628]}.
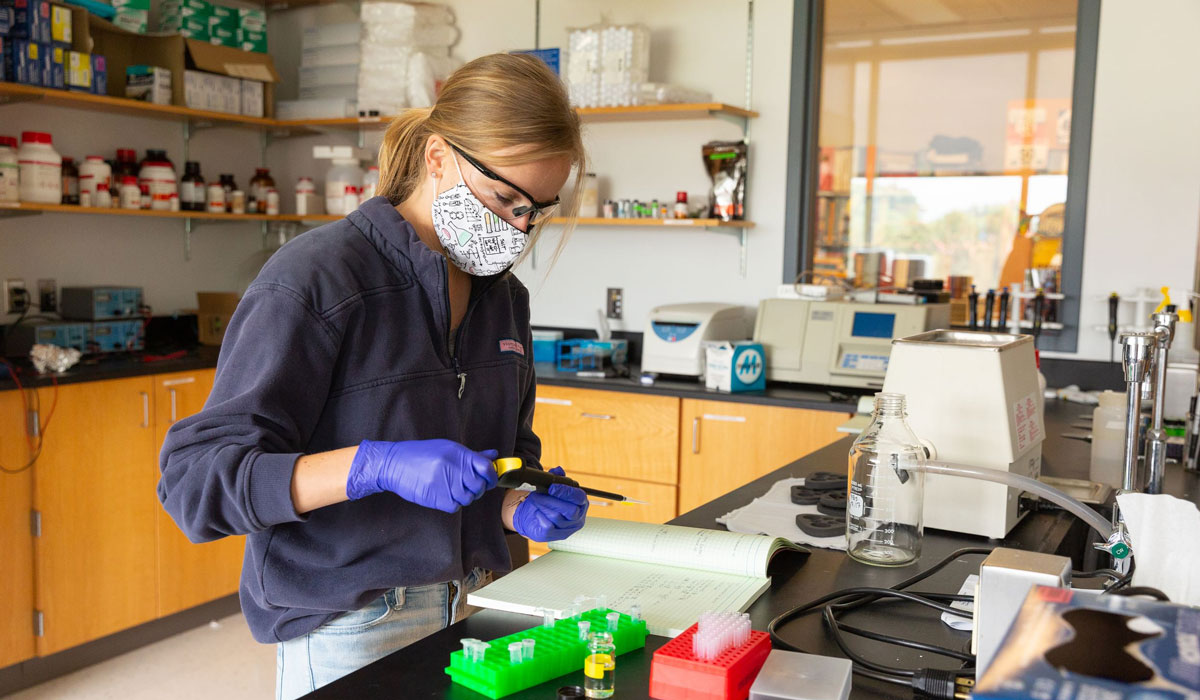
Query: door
{"type": "Point", "coordinates": [16, 539]}
{"type": "Point", "coordinates": [95, 491]}
{"type": "Point", "coordinates": [188, 574]}
{"type": "Point", "coordinates": [724, 445]}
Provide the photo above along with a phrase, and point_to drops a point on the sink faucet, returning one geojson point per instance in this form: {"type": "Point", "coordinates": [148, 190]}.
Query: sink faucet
{"type": "Point", "coordinates": [1156, 436]}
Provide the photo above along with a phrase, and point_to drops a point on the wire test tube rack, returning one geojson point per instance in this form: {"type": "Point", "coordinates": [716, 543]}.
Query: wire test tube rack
{"type": "Point", "coordinates": [531, 657]}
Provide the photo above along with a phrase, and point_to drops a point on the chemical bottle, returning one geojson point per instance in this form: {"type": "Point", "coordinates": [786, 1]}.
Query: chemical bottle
{"type": "Point", "coordinates": [259, 184]}
{"type": "Point", "coordinates": [350, 199]}
{"type": "Point", "coordinates": [229, 186]}
{"type": "Point", "coordinates": [41, 169]}
{"type": "Point", "coordinates": [156, 155]}
{"type": "Point", "coordinates": [307, 202]}
{"type": "Point", "coordinates": [589, 199]}
{"type": "Point", "coordinates": [70, 181]}
{"type": "Point", "coordinates": [599, 667]}
{"type": "Point", "coordinates": [273, 202]}
{"type": "Point", "coordinates": [10, 171]}
{"type": "Point", "coordinates": [102, 199]}
{"type": "Point", "coordinates": [158, 179]}
{"type": "Point", "coordinates": [344, 173]}
{"type": "Point", "coordinates": [215, 201]}
{"type": "Point", "coordinates": [126, 165]}
{"type": "Point", "coordinates": [131, 193]}
{"type": "Point", "coordinates": [681, 205]}
{"type": "Point", "coordinates": [93, 171]}
{"type": "Point", "coordinates": [370, 183]}
{"type": "Point", "coordinates": [191, 188]}
{"type": "Point", "coordinates": [1108, 440]}
{"type": "Point", "coordinates": [883, 512]}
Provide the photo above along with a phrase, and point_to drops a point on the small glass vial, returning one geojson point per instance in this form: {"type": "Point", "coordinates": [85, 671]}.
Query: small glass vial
{"type": "Point", "coordinates": [883, 513]}
{"type": "Point", "coordinates": [599, 668]}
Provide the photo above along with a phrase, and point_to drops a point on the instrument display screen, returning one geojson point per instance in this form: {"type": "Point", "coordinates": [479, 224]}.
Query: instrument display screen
{"type": "Point", "coordinates": [873, 325]}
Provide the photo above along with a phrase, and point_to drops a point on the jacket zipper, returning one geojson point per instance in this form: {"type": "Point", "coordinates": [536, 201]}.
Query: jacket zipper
{"type": "Point", "coordinates": [458, 334]}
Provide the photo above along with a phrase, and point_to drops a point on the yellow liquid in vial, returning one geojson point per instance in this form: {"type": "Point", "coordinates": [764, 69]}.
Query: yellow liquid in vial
{"type": "Point", "coordinates": [599, 675]}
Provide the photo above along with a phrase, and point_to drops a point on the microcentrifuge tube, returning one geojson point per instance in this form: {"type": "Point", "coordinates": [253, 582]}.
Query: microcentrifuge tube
{"type": "Point", "coordinates": [584, 625]}
{"type": "Point", "coordinates": [516, 652]}
{"type": "Point", "coordinates": [547, 618]}
{"type": "Point", "coordinates": [602, 602]}
{"type": "Point", "coordinates": [473, 649]}
{"type": "Point", "coordinates": [635, 612]}
{"type": "Point", "coordinates": [614, 618]}
{"type": "Point", "coordinates": [573, 611]}
{"type": "Point", "coordinates": [529, 645]}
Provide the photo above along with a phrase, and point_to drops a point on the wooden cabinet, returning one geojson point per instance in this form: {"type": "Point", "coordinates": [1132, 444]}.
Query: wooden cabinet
{"type": "Point", "coordinates": [188, 574]}
{"type": "Point", "coordinates": [94, 487]}
{"type": "Point", "coordinates": [16, 538]}
{"type": "Point", "coordinates": [609, 433]}
{"type": "Point", "coordinates": [724, 444]}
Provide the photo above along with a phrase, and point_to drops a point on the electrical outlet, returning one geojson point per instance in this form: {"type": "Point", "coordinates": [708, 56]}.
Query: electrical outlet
{"type": "Point", "coordinates": [616, 302]}
{"type": "Point", "coordinates": [47, 296]}
{"type": "Point", "coordinates": [16, 296]}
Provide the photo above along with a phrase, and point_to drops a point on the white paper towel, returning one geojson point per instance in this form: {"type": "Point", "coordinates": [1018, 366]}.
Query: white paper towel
{"type": "Point", "coordinates": [774, 514]}
{"type": "Point", "coordinates": [1165, 534]}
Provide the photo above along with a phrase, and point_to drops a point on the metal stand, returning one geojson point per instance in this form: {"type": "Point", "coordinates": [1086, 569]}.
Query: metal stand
{"type": "Point", "coordinates": [1156, 436]}
{"type": "Point", "coordinates": [1135, 358]}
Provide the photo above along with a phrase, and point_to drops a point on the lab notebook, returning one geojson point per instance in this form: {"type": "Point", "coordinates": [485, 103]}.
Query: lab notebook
{"type": "Point", "coordinates": [673, 573]}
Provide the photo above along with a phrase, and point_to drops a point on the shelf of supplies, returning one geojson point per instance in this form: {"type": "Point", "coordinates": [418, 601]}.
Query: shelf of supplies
{"type": "Point", "coordinates": [694, 110]}
{"type": "Point", "coordinates": [28, 208]}
{"type": "Point", "coordinates": [668, 223]}
{"type": "Point", "coordinates": [13, 93]}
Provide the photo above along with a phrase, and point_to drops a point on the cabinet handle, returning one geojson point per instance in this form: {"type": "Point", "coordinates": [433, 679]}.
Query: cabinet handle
{"type": "Point", "coordinates": [695, 436]}
{"type": "Point", "coordinates": [173, 392]}
{"type": "Point", "coordinates": [598, 416]}
{"type": "Point", "coordinates": [145, 409]}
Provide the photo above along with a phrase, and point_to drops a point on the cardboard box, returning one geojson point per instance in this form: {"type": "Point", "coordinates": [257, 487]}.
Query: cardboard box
{"type": "Point", "coordinates": [212, 92]}
{"type": "Point", "coordinates": [30, 19]}
{"type": "Point", "coordinates": [79, 71]}
{"type": "Point", "coordinates": [252, 98]}
{"type": "Point", "coordinates": [61, 25]}
{"type": "Point", "coordinates": [734, 366]}
{"type": "Point", "coordinates": [215, 310]}
{"type": "Point", "coordinates": [99, 75]}
{"type": "Point", "coordinates": [56, 75]}
{"type": "Point", "coordinates": [148, 84]}
{"type": "Point", "coordinates": [252, 41]}
{"type": "Point", "coordinates": [178, 54]}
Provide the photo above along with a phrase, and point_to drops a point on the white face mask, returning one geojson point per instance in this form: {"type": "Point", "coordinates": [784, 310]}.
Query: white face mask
{"type": "Point", "coordinates": [476, 240]}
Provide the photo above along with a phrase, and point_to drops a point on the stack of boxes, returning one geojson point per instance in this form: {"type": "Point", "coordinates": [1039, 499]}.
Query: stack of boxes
{"type": "Point", "coordinates": [132, 15]}
{"type": "Point", "coordinates": [238, 28]}
{"type": "Point", "coordinates": [220, 93]}
{"type": "Point", "coordinates": [35, 49]}
{"type": "Point", "coordinates": [606, 64]}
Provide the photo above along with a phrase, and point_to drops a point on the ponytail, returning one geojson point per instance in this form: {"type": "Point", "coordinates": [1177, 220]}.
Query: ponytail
{"type": "Point", "coordinates": [402, 153]}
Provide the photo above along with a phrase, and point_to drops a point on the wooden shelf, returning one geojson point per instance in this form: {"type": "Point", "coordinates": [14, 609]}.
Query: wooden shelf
{"type": "Point", "coordinates": [664, 223]}
{"type": "Point", "coordinates": [13, 92]}
{"type": "Point", "coordinates": [6, 208]}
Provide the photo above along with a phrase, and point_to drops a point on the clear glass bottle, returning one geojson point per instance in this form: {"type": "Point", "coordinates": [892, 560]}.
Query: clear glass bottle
{"type": "Point", "coordinates": [599, 668]}
{"type": "Point", "coordinates": [883, 513]}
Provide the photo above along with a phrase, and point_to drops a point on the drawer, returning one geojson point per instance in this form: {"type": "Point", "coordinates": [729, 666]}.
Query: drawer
{"type": "Point", "coordinates": [609, 433]}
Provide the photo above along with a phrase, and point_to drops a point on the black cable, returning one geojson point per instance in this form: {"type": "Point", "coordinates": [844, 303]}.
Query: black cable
{"type": "Point", "coordinates": [1143, 590]}
{"type": "Point", "coordinates": [1110, 573]}
{"type": "Point", "coordinates": [911, 644]}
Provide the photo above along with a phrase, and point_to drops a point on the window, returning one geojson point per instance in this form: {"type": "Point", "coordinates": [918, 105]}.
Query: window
{"type": "Point", "coordinates": [942, 142]}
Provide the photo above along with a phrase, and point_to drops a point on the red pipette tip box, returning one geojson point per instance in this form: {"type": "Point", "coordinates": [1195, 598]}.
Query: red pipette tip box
{"type": "Point", "coordinates": [676, 673]}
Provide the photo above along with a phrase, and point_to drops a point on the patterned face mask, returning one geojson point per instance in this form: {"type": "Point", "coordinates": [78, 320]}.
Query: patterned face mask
{"type": "Point", "coordinates": [476, 240]}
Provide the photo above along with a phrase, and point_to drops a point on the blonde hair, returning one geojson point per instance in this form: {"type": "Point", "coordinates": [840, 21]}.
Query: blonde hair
{"type": "Point", "coordinates": [494, 102]}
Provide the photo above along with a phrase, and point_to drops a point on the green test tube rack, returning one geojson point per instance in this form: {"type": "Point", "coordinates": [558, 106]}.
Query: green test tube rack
{"type": "Point", "coordinates": [558, 651]}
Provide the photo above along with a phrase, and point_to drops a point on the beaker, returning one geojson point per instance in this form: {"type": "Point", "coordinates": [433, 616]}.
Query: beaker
{"type": "Point", "coordinates": [883, 511]}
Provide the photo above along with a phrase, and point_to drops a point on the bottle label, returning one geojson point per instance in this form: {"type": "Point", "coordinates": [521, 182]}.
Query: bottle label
{"type": "Point", "coordinates": [855, 505]}
{"type": "Point", "coordinates": [595, 665]}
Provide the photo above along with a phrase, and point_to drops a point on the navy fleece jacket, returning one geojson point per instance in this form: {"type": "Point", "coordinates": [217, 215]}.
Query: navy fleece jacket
{"type": "Point", "coordinates": [344, 336]}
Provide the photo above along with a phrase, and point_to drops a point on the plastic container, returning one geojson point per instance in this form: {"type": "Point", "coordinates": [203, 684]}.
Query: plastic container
{"type": "Point", "coordinates": [589, 199]}
{"type": "Point", "coordinates": [158, 178]}
{"type": "Point", "coordinates": [41, 169]}
{"type": "Point", "coordinates": [307, 202]}
{"type": "Point", "coordinates": [131, 193]}
{"type": "Point", "coordinates": [259, 184]}
{"type": "Point", "coordinates": [883, 512]}
{"type": "Point", "coordinates": [370, 183]}
{"type": "Point", "coordinates": [681, 205]}
{"type": "Point", "coordinates": [102, 199]}
{"type": "Point", "coordinates": [70, 181]}
{"type": "Point", "coordinates": [215, 203]}
{"type": "Point", "coordinates": [237, 202]}
{"type": "Point", "coordinates": [10, 170]}
{"type": "Point", "coordinates": [344, 173]}
{"type": "Point", "coordinates": [273, 202]}
{"type": "Point", "coordinates": [677, 673]}
{"type": "Point", "coordinates": [1108, 440]}
{"type": "Point", "coordinates": [191, 188]}
{"type": "Point", "coordinates": [93, 171]}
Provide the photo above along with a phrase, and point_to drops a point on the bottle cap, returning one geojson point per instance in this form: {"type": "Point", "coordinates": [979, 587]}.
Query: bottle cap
{"type": "Point", "coordinates": [98, 159]}
{"type": "Point", "coordinates": [9, 141]}
{"type": "Point", "coordinates": [261, 171]}
{"type": "Point", "coordinates": [35, 137]}
{"type": "Point", "coordinates": [681, 197]}
{"type": "Point", "coordinates": [126, 154]}
{"type": "Point", "coordinates": [129, 180]}
{"type": "Point", "coordinates": [570, 692]}
{"type": "Point", "coordinates": [67, 160]}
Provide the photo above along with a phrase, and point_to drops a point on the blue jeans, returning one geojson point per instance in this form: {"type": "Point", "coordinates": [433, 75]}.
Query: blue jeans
{"type": "Point", "coordinates": [391, 622]}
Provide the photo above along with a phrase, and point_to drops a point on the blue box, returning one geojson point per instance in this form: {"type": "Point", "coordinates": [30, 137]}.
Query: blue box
{"type": "Point", "coordinates": [117, 336]}
{"type": "Point", "coordinates": [99, 75]}
{"type": "Point", "coordinates": [100, 303]}
{"type": "Point", "coordinates": [551, 57]}
{"type": "Point", "coordinates": [6, 19]}
{"type": "Point", "coordinates": [1070, 645]}
{"type": "Point", "coordinates": [23, 62]}
{"type": "Point", "coordinates": [734, 366]}
{"type": "Point", "coordinates": [590, 355]}
{"type": "Point", "coordinates": [56, 71]}
{"type": "Point", "coordinates": [30, 20]}
{"type": "Point", "coordinates": [64, 334]}
{"type": "Point", "coordinates": [4, 60]}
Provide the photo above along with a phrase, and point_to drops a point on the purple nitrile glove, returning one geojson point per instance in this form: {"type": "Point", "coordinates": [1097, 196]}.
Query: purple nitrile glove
{"type": "Point", "coordinates": [440, 474]}
{"type": "Point", "coordinates": [546, 517]}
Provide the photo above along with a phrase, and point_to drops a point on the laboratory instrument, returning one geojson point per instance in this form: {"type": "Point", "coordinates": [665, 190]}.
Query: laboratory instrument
{"type": "Point", "coordinates": [599, 666]}
{"type": "Point", "coordinates": [791, 675]}
{"type": "Point", "coordinates": [674, 336]}
{"type": "Point", "coordinates": [514, 475]}
{"type": "Point", "coordinates": [838, 343]}
{"type": "Point", "coordinates": [720, 665]}
{"type": "Point", "coordinates": [984, 410]}
{"type": "Point", "coordinates": [1136, 355]}
{"type": "Point", "coordinates": [884, 509]}
{"type": "Point", "coordinates": [100, 303]}
{"type": "Point", "coordinates": [1005, 577]}
{"type": "Point", "coordinates": [488, 667]}
{"type": "Point", "coordinates": [1156, 437]}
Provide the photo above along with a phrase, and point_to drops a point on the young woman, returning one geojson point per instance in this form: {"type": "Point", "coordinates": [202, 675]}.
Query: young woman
{"type": "Point", "coordinates": [369, 377]}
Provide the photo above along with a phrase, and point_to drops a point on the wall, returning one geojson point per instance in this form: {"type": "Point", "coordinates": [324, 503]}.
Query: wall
{"type": "Point", "coordinates": [1143, 211]}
